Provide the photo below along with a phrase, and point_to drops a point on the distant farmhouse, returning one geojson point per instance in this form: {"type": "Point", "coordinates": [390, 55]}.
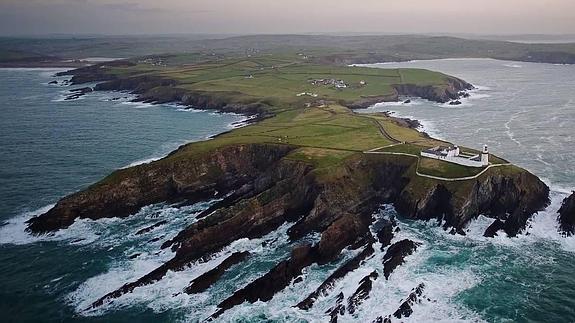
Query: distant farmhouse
{"type": "Point", "coordinates": [338, 84]}
{"type": "Point", "coordinates": [454, 155]}
{"type": "Point", "coordinates": [315, 95]}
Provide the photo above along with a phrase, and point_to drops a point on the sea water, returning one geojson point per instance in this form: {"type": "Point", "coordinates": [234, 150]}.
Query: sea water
{"type": "Point", "coordinates": [51, 147]}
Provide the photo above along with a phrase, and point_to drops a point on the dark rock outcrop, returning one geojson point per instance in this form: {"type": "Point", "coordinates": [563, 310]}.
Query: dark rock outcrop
{"type": "Point", "coordinates": [405, 309]}
{"type": "Point", "coordinates": [204, 281]}
{"type": "Point", "coordinates": [567, 216]}
{"type": "Point", "coordinates": [395, 255]}
{"type": "Point", "coordinates": [151, 227]}
{"type": "Point", "coordinates": [265, 287]}
{"type": "Point", "coordinates": [508, 195]}
{"type": "Point", "coordinates": [385, 234]}
{"type": "Point", "coordinates": [78, 93]}
{"type": "Point", "coordinates": [336, 310]}
{"type": "Point", "coordinates": [495, 227]}
{"type": "Point", "coordinates": [436, 94]}
{"type": "Point", "coordinates": [362, 292]}
{"type": "Point", "coordinates": [341, 272]}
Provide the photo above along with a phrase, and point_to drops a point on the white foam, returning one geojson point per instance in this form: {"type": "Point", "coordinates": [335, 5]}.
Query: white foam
{"type": "Point", "coordinates": [13, 231]}
{"type": "Point", "coordinates": [143, 161]}
{"type": "Point", "coordinates": [190, 110]}
{"type": "Point", "coordinates": [442, 286]}
{"type": "Point", "coordinates": [167, 293]}
{"type": "Point", "coordinates": [138, 105]}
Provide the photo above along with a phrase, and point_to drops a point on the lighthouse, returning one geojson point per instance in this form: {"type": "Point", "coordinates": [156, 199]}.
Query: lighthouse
{"type": "Point", "coordinates": [485, 156]}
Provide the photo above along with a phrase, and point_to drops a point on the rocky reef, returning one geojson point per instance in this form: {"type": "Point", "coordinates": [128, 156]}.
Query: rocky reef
{"type": "Point", "coordinates": [567, 216]}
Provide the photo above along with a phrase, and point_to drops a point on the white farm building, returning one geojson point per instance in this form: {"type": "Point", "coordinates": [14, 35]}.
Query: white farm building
{"type": "Point", "coordinates": [454, 155]}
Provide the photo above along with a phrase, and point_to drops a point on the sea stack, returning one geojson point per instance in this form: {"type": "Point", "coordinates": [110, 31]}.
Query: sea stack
{"type": "Point", "coordinates": [567, 216]}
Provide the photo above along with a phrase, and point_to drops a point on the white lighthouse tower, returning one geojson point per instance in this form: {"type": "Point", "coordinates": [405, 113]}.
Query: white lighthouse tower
{"type": "Point", "coordinates": [485, 156]}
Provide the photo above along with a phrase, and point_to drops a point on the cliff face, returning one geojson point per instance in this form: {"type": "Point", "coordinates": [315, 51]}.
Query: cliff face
{"type": "Point", "coordinates": [196, 178]}
{"type": "Point", "coordinates": [262, 188]}
{"type": "Point", "coordinates": [433, 93]}
{"type": "Point", "coordinates": [567, 216]}
{"type": "Point", "coordinates": [511, 199]}
{"type": "Point", "coordinates": [452, 91]}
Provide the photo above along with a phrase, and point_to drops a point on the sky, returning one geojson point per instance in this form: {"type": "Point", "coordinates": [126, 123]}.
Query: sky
{"type": "Point", "coordinates": [36, 17]}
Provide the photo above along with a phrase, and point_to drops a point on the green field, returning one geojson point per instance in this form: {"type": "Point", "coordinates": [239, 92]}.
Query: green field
{"type": "Point", "coordinates": [320, 124]}
{"type": "Point", "coordinates": [279, 78]}
{"type": "Point", "coordinates": [329, 49]}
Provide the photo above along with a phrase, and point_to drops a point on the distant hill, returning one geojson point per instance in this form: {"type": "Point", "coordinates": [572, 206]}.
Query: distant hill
{"type": "Point", "coordinates": [326, 48]}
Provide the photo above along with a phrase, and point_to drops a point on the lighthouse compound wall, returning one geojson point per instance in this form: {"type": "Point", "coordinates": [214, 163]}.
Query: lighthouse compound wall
{"type": "Point", "coordinates": [454, 159]}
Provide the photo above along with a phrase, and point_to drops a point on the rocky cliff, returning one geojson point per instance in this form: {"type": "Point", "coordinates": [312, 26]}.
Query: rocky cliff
{"type": "Point", "coordinates": [509, 196]}
{"type": "Point", "coordinates": [567, 216]}
{"type": "Point", "coordinates": [262, 188]}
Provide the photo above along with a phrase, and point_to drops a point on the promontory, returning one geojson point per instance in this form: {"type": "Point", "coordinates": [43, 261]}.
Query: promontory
{"type": "Point", "coordinates": [306, 159]}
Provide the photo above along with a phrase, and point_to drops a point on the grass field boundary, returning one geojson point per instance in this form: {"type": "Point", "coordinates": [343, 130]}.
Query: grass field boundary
{"type": "Point", "coordinates": [446, 179]}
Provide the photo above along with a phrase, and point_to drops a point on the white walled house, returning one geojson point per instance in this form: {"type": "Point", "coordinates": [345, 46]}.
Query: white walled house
{"type": "Point", "coordinates": [454, 155]}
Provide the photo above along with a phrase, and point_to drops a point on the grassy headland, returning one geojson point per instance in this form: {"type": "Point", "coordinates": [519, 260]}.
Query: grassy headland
{"type": "Point", "coordinates": [301, 111]}
{"type": "Point", "coordinates": [307, 159]}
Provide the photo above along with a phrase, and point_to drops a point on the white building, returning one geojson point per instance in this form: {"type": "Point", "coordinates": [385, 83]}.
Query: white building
{"type": "Point", "coordinates": [454, 155]}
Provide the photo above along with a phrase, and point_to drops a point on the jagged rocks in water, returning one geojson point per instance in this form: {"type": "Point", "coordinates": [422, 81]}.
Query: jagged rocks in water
{"type": "Point", "coordinates": [328, 284]}
{"type": "Point", "coordinates": [405, 309]}
{"type": "Point", "coordinates": [407, 102]}
{"type": "Point", "coordinates": [512, 197]}
{"type": "Point", "coordinates": [204, 281]}
{"type": "Point", "coordinates": [362, 292]}
{"type": "Point", "coordinates": [53, 82]}
{"type": "Point", "coordinates": [337, 310]}
{"type": "Point", "coordinates": [495, 227]}
{"type": "Point", "coordinates": [381, 319]}
{"type": "Point", "coordinates": [395, 255]}
{"type": "Point", "coordinates": [77, 93]}
{"type": "Point", "coordinates": [151, 227]}
{"type": "Point", "coordinates": [385, 235]}
{"type": "Point", "coordinates": [265, 287]}
{"type": "Point", "coordinates": [456, 102]}
{"type": "Point", "coordinates": [567, 216]}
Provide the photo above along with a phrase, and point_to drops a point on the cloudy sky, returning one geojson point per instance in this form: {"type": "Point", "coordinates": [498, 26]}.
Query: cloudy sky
{"type": "Point", "coordinates": [291, 16]}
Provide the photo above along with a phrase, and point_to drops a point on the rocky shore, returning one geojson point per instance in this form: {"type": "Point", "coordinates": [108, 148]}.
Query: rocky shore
{"type": "Point", "coordinates": [260, 189]}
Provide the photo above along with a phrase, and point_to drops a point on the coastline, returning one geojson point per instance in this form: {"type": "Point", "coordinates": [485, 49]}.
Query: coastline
{"type": "Point", "coordinates": [83, 303]}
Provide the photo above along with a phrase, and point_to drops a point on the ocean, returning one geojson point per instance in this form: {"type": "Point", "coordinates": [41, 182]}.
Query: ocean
{"type": "Point", "coordinates": [50, 147]}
